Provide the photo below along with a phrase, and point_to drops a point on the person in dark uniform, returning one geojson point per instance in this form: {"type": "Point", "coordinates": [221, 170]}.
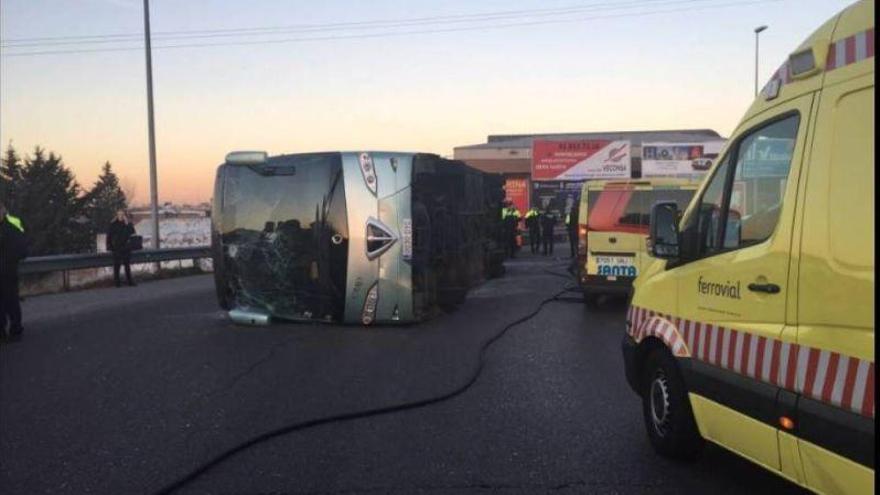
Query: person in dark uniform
{"type": "Point", "coordinates": [119, 243]}
{"type": "Point", "coordinates": [548, 222]}
{"type": "Point", "coordinates": [13, 248]}
{"type": "Point", "coordinates": [533, 223]}
{"type": "Point", "coordinates": [511, 225]}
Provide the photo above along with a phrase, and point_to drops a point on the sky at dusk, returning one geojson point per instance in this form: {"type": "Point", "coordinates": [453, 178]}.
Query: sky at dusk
{"type": "Point", "coordinates": [596, 65]}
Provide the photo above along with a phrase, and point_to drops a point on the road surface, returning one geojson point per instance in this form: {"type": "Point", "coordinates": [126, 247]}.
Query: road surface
{"type": "Point", "coordinates": [124, 390]}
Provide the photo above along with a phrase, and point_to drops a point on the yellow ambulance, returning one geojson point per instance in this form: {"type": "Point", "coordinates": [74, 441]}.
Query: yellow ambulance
{"type": "Point", "coordinates": [614, 216]}
{"type": "Point", "coordinates": [755, 331]}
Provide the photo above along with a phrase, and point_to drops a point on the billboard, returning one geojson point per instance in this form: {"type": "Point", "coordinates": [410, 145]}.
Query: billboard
{"type": "Point", "coordinates": [678, 159]}
{"type": "Point", "coordinates": [516, 190]}
{"type": "Point", "coordinates": [579, 160]}
{"type": "Point", "coordinates": [556, 196]}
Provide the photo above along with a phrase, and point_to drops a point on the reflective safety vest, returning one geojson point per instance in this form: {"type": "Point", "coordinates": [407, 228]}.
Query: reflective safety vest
{"type": "Point", "coordinates": [15, 221]}
{"type": "Point", "coordinates": [531, 213]}
{"type": "Point", "coordinates": [504, 212]}
{"type": "Point", "coordinates": [513, 212]}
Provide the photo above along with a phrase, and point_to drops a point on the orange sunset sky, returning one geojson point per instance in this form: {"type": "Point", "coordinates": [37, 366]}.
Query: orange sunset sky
{"type": "Point", "coordinates": [424, 87]}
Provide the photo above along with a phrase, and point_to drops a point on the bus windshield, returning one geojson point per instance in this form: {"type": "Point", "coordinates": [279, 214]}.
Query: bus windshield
{"type": "Point", "coordinates": [284, 233]}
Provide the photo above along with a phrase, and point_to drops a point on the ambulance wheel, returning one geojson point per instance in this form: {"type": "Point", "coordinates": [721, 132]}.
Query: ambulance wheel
{"type": "Point", "coordinates": [669, 419]}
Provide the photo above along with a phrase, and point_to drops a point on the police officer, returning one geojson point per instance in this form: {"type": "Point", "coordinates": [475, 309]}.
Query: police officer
{"type": "Point", "coordinates": [511, 217]}
{"type": "Point", "coordinates": [548, 222]}
{"type": "Point", "coordinates": [13, 248]}
{"type": "Point", "coordinates": [533, 223]}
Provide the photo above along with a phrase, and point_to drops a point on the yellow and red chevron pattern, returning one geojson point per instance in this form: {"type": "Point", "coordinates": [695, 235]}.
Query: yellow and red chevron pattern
{"type": "Point", "coordinates": [841, 53]}
{"type": "Point", "coordinates": [843, 381]}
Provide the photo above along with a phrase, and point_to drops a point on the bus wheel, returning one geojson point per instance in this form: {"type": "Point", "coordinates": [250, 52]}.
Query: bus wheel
{"type": "Point", "coordinates": [669, 419]}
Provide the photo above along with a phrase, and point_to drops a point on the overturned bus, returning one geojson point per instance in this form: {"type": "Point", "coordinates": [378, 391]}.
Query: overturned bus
{"type": "Point", "coordinates": [352, 237]}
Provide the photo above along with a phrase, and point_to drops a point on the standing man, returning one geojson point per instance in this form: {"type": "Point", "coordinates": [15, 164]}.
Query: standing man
{"type": "Point", "coordinates": [13, 248]}
{"type": "Point", "coordinates": [119, 243]}
{"type": "Point", "coordinates": [533, 223]}
{"type": "Point", "coordinates": [548, 222]}
{"type": "Point", "coordinates": [571, 224]}
{"type": "Point", "coordinates": [511, 223]}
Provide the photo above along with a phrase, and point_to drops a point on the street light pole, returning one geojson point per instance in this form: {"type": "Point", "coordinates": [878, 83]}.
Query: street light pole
{"type": "Point", "coordinates": [757, 32]}
{"type": "Point", "coordinates": [151, 130]}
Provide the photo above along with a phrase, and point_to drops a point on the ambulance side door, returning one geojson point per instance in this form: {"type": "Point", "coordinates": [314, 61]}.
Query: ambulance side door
{"type": "Point", "coordinates": [733, 282]}
{"type": "Point", "coordinates": [835, 300]}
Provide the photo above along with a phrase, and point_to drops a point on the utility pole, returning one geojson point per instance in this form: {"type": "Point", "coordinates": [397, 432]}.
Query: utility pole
{"type": "Point", "coordinates": [151, 130]}
{"type": "Point", "coordinates": [757, 32]}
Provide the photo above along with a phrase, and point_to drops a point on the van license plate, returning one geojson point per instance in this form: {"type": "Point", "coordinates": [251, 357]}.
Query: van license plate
{"type": "Point", "coordinates": [615, 266]}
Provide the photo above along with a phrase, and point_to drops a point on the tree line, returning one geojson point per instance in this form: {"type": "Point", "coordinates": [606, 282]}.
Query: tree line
{"type": "Point", "coordinates": [59, 215]}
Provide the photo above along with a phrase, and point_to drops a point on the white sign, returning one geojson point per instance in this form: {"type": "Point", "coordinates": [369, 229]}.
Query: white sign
{"type": "Point", "coordinates": [612, 161]}
{"type": "Point", "coordinates": [678, 159]}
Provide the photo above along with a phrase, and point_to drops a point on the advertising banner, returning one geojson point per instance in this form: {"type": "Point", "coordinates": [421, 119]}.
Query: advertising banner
{"type": "Point", "coordinates": [580, 160]}
{"type": "Point", "coordinates": [556, 196]}
{"type": "Point", "coordinates": [677, 159]}
{"type": "Point", "coordinates": [516, 190]}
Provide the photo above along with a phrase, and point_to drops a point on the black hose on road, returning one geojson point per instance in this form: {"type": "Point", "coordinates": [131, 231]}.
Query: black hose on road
{"type": "Point", "coordinates": [406, 406]}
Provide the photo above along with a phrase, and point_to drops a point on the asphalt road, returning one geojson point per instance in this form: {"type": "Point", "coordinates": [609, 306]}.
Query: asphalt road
{"type": "Point", "coordinates": [124, 390]}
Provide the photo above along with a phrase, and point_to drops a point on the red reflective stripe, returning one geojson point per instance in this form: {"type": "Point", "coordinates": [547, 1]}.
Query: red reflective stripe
{"type": "Point", "coordinates": [775, 361]}
{"type": "Point", "coordinates": [759, 357]}
{"type": "Point", "coordinates": [849, 384]}
{"type": "Point", "coordinates": [746, 355]}
{"type": "Point", "coordinates": [868, 403]}
{"type": "Point", "coordinates": [791, 373]}
{"type": "Point", "coordinates": [653, 328]}
{"type": "Point", "coordinates": [731, 349]}
{"type": "Point", "coordinates": [869, 40]}
{"type": "Point", "coordinates": [698, 347]}
{"type": "Point", "coordinates": [830, 377]}
{"type": "Point", "coordinates": [719, 345]}
{"type": "Point", "coordinates": [832, 57]}
{"type": "Point", "coordinates": [850, 50]}
{"type": "Point", "coordinates": [705, 341]}
{"type": "Point", "coordinates": [810, 376]}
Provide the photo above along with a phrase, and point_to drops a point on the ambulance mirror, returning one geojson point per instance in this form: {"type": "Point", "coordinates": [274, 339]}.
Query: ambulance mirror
{"type": "Point", "coordinates": [663, 236]}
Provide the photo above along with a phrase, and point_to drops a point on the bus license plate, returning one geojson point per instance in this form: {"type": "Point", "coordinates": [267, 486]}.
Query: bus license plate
{"type": "Point", "coordinates": [615, 266]}
{"type": "Point", "coordinates": [406, 234]}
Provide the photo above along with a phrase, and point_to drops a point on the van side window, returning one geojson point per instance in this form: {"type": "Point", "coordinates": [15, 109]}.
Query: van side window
{"type": "Point", "coordinates": [762, 166]}
{"type": "Point", "coordinates": [743, 210]}
{"type": "Point", "coordinates": [711, 205]}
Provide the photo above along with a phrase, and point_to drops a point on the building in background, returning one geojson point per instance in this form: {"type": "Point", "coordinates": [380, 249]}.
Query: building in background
{"type": "Point", "coordinates": [547, 170]}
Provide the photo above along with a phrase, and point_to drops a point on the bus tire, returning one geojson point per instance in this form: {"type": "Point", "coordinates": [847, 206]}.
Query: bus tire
{"type": "Point", "coordinates": [669, 419]}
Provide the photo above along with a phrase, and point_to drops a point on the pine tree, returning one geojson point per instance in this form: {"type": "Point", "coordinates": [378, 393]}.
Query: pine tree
{"type": "Point", "coordinates": [105, 198]}
{"type": "Point", "coordinates": [10, 178]}
{"type": "Point", "coordinates": [52, 208]}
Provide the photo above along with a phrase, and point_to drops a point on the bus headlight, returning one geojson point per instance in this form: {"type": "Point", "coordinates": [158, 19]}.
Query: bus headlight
{"type": "Point", "coordinates": [368, 170]}
{"type": "Point", "coordinates": [368, 315]}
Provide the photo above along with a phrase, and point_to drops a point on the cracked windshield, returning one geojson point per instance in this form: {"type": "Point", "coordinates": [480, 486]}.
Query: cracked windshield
{"type": "Point", "coordinates": [458, 247]}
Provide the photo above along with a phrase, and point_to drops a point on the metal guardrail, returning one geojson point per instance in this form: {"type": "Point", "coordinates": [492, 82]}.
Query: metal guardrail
{"type": "Point", "coordinates": [66, 262]}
